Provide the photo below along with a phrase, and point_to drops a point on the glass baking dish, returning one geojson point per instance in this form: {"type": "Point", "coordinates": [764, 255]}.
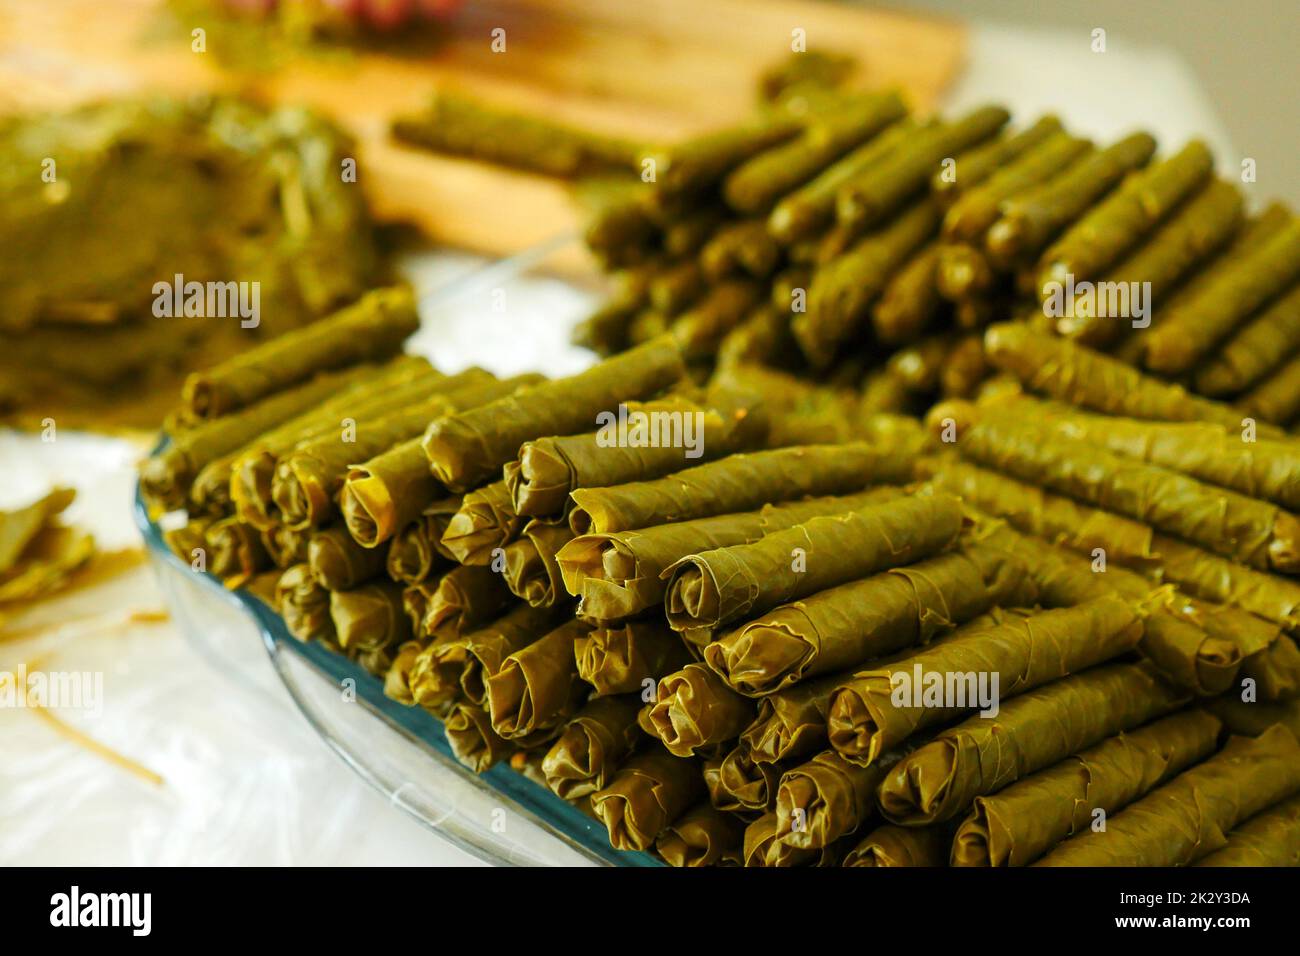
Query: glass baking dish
{"type": "Point", "coordinates": [509, 316]}
{"type": "Point", "coordinates": [500, 816]}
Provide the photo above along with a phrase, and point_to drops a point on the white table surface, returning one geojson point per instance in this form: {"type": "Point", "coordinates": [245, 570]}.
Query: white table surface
{"type": "Point", "coordinates": [245, 780]}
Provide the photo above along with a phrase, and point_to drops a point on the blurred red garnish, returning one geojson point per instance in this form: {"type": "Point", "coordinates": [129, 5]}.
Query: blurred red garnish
{"type": "Point", "coordinates": [380, 15]}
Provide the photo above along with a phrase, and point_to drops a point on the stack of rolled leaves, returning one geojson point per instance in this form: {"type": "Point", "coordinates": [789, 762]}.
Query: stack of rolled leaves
{"type": "Point", "coordinates": [548, 469]}
{"type": "Point", "coordinates": [373, 328]}
{"type": "Point", "coordinates": [1020, 823]}
{"type": "Point", "coordinates": [835, 236]}
{"type": "Point", "coordinates": [459, 665]}
{"type": "Point", "coordinates": [871, 617]}
{"type": "Point", "coordinates": [309, 479]}
{"type": "Point", "coordinates": [592, 745]}
{"type": "Point", "coordinates": [537, 688]}
{"type": "Point", "coordinates": [1270, 838]}
{"type": "Point", "coordinates": [628, 657]}
{"type": "Point", "coordinates": [646, 794]}
{"type": "Point", "coordinates": [466, 449]}
{"type": "Point", "coordinates": [773, 619]}
{"type": "Point", "coordinates": [890, 845]}
{"type": "Point", "coordinates": [876, 710]}
{"type": "Point", "coordinates": [243, 479]}
{"type": "Point", "coordinates": [620, 574]}
{"type": "Point", "coordinates": [1192, 815]}
{"type": "Point", "coordinates": [1247, 530]}
{"type": "Point", "coordinates": [981, 755]}
{"type": "Point", "coordinates": [1196, 644]}
{"type": "Point", "coordinates": [714, 588]}
{"type": "Point", "coordinates": [702, 836]}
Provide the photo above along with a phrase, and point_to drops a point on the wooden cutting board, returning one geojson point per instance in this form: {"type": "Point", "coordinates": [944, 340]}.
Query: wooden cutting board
{"type": "Point", "coordinates": [657, 69]}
